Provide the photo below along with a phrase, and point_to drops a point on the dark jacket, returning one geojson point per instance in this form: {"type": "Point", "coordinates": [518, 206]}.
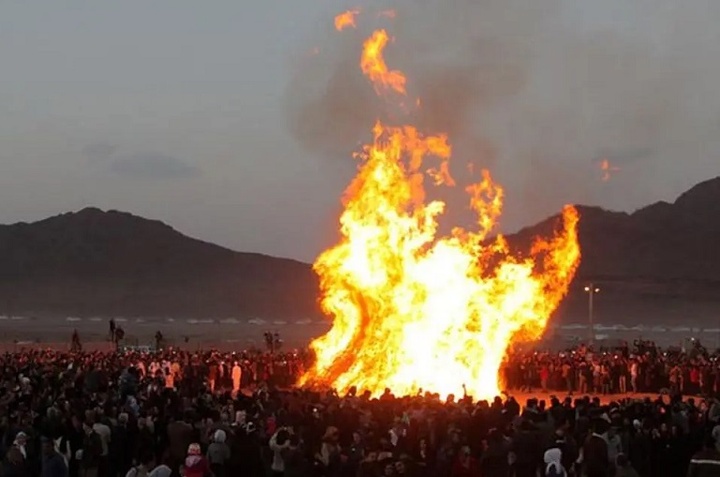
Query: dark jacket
{"type": "Point", "coordinates": [91, 451]}
{"type": "Point", "coordinates": [595, 456]}
{"type": "Point", "coordinates": [53, 465]}
{"type": "Point", "coordinates": [705, 463]}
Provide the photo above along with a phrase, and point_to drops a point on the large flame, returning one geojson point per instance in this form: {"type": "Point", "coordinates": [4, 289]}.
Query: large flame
{"type": "Point", "coordinates": [414, 310]}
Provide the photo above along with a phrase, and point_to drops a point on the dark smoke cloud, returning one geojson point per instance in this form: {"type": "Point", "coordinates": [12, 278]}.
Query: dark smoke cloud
{"type": "Point", "coordinates": [455, 65]}
{"type": "Point", "coordinates": [533, 96]}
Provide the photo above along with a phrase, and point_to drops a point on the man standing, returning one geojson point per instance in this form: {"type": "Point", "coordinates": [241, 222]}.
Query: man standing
{"type": "Point", "coordinates": [53, 464]}
{"type": "Point", "coordinates": [595, 453]}
{"type": "Point", "coordinates": [90, 455]}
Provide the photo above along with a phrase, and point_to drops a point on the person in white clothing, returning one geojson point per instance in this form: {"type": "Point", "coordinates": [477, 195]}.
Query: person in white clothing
{"type": "Point", "coordinates": [236, 378]}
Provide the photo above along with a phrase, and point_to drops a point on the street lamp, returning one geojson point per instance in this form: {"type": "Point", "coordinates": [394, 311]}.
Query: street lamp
{"type": "Point", "coordinates": [591, 290]}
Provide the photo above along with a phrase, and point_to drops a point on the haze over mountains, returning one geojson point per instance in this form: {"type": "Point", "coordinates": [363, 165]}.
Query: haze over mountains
{"type": "Point", "coordinates": [662, 261]}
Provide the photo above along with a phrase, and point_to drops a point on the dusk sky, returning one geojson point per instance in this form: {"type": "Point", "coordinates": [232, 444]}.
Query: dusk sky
{"type": "Point", "coordinates": [234, 121]}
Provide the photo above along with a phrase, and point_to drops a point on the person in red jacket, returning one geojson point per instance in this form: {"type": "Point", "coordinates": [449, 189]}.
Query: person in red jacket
{"type": "Point", "coordinates": [466, 465]}
{"type": "Point", "coordinates": [196, 465]}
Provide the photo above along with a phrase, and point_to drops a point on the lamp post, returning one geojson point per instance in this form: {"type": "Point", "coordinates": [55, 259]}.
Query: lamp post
{"type": "Point", "coordinates": [591, 290]}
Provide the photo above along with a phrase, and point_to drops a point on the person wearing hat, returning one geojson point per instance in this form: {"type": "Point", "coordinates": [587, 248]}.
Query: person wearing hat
{"type": "Point", "coordinates": [196, 465]}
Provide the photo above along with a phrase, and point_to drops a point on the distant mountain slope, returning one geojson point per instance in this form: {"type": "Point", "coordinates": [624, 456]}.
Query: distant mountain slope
{"type": "Point", "coordinates": [660, 261]}
{"type": "Point", "coordinates": [662, 242]}
{"type": "Point", "coordinates": [657, 265]}
{"type": "Point", "coordinates": [112, 263]}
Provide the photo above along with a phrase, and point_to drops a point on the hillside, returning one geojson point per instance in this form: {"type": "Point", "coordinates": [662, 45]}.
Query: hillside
{"type": "Point", "coordinates": [111, 263]}
{"type": "Point", "coordinates": [660, 262]}
{"type": "Point", "coordinates": [662, 242]}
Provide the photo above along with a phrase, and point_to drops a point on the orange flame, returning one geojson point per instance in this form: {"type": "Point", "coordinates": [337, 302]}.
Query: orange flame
{"type": "Point", "coordinates": [415, 310]}
{"type": "Point", "coordinates": [346, 20]}
{"type": "Point", "coordinates": [373, 64]}
{"type": "Point", "coordinates": [607, 169]}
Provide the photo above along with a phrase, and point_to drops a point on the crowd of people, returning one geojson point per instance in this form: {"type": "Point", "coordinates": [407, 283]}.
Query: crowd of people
{"type": "Point", "coordinates": [197, 414]}
{"type": "Point", "coordinates": [640, 368]}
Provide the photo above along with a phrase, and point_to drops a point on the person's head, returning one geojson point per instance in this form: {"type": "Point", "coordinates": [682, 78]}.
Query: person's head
{"type": "Point", "coordinates": [283, 436]}
{"type": "Point", "coordinates": [219, 436]}
{"type": "Point", "coordinates": [389, 470]}
{"type": "Point", "coordinates": [48, 447]}
{"type": "Point", "coordinates": [87, 428]}
{"type": "Point", "coordinates": [622, 461]}
{"type": "Point", "coordinates": [20, 439]}
{"type": "Point", "coordinates": [357, 438]}
{"type": "Point", "coordinates": [123, 418]}
{"type": "Point", "coordinates": [194, 449]}
{"type": "Point", "coordinates": [400, 467]}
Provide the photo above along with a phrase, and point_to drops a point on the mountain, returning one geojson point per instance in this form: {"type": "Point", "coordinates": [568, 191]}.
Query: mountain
{"type": "Point", "coordinates": [661, 262]}
{"type": "Point", "coordinates": [112, 263]}
{"type": "Point", "coordinates": [678, 242]}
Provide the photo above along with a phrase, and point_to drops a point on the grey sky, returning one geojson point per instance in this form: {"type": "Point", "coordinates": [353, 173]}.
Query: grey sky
{"type": "Point", "coordinates": [217, 118]}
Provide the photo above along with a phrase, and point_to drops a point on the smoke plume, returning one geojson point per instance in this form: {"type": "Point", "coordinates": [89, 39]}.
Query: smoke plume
{"type": "Point", "coordinates": [534, 90]}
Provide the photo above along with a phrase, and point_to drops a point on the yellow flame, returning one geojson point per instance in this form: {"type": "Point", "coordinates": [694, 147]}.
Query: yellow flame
{"type": "Point", "coordinates": [413, 309]}
{"type": "Point", "coordinates": [373, 65]}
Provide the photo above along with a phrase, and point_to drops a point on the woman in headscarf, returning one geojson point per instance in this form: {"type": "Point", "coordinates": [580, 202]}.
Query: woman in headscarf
{"type": "Point", "coordinates": [20, 442]}
{"type": "Point", "coordinates": [196, 465]}
{"type": "Point", "coordinates": [553, 464]}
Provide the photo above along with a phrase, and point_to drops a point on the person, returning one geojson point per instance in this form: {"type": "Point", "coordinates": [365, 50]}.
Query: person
{"type": "Point", "coordinates": [158, 339]}
{"type": "Point", "coordinates": [553, 463]}
{"type": "Point", "coordinates": [705, 463]}
{"type": "Point", "coordinates": [236, 378]}
{"type": "Point", "coordinates": [53, 464]}
{"type": "Point", "coordinates": [161, 470]}
{"type": "Point", "coordinates": [279, 443]}
{"type": "Point", "coordinates": [218, 453]}
{"type": "Point", "coordinates": [90, 455]}
{"type": "Point", "coordinates": [75, 345]}
{"type": "Point", "coordinates": [14, 464]}
{"type": "Point", "coordinates": [195, 464]}
{"type": "Point", "coordinates": [624, 468]}
{"type": "Point", "coordinates": [466, 465]}
{"type": "Point", "coordinates": [140, 470]}
{"type": "Point", "coordinates": [20, 443]}
{"type": "Point", "coordinates": [595, 454]}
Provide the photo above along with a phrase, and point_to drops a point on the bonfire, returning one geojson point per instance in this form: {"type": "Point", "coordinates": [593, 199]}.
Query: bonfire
{"type": "Point", "coordinates": [415, 310]}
